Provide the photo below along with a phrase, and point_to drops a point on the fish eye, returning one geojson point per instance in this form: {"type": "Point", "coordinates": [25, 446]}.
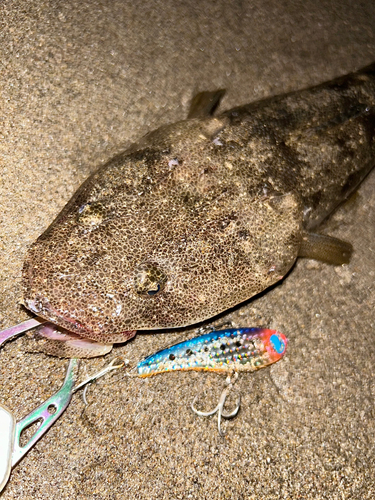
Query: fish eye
{"type": "Point", "coordinates": [149, 279]}
{"type": "Point", "coordinates": [154, 292]}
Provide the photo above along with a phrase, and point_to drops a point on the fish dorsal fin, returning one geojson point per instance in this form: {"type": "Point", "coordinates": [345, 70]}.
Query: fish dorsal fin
{"type": "Point", "coordinates": [205, 104]}
{"type": "Point", "coordinates": [325, 248]}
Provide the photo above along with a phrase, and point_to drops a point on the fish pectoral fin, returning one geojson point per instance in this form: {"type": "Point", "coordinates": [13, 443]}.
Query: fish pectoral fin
{"type": "Point", "coordinates": [205, 104]}
{"type": "Point", "coordinates": [54, 341]}
{"type": "Point", "coordinates": [325, 248]}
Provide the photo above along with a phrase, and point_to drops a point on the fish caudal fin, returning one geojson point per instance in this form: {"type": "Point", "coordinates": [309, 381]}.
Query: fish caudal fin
{"type": "Point", "coordinates": [325, 248]}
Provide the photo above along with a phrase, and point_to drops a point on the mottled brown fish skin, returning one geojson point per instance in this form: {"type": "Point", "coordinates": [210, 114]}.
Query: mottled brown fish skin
{"type": "Point", "coordinates": [203, 214]}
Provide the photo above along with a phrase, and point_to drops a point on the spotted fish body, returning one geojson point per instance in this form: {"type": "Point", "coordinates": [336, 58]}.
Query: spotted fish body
{"type": "Point", "coordinates": [201, 215]}
{"type": "Point", "coordinates": [243, 349]}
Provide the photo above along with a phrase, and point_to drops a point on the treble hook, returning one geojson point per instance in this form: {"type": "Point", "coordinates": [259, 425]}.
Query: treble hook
{"type": "Point", "coordinates": [113, 365]}
{"type": "Point", "coordinates": [219, 409]}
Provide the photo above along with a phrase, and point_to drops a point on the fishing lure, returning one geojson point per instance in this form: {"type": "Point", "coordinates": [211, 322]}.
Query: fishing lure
{"type": "Point", "coordinates": [226, 351]}
{"type": "Point", "coordinates": [232, 350]}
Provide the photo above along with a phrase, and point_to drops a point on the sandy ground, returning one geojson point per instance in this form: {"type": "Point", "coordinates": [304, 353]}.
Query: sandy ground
{"type": "Point", "coordinates": [79, 82]}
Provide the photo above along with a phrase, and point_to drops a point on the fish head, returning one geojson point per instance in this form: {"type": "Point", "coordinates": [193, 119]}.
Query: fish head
{"type": "Point", "coordinates": [156, 240]}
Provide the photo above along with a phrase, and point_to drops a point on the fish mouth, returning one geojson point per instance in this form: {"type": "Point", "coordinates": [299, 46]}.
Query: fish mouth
{"type": "Point", "coordinates": [42, 308]}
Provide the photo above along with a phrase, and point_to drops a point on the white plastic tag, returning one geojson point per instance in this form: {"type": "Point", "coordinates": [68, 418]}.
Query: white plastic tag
{"type": "Point", "coordinates": [7, 435]}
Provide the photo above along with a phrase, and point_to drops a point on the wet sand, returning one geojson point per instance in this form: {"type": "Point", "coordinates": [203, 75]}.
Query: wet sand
{"type": "Point", "coordinates": [79, 82]}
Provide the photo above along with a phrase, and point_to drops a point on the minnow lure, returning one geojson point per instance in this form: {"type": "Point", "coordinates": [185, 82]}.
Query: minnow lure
{"type": "Point", "coordinates": [232, 350]}
{"type": "Point", "coordinates": [225, 351]}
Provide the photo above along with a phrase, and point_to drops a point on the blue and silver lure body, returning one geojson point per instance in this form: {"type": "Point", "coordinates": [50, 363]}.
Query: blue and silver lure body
{"type": "Point", "coordinates": [243, 349]}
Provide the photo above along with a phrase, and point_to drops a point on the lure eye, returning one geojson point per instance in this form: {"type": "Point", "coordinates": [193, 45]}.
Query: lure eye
{"type": "Point", "coordinates": [277, 343]}
{"type": "Point", "coordinates": [149, 280]}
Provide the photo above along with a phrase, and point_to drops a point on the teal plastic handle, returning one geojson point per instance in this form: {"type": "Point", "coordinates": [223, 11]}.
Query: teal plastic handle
{"type": "Point", "coordinates": [48, 412]}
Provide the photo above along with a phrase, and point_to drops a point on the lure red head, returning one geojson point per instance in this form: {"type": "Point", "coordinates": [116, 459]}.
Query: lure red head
{"type": "Point", "coordinates": [275, 344]}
